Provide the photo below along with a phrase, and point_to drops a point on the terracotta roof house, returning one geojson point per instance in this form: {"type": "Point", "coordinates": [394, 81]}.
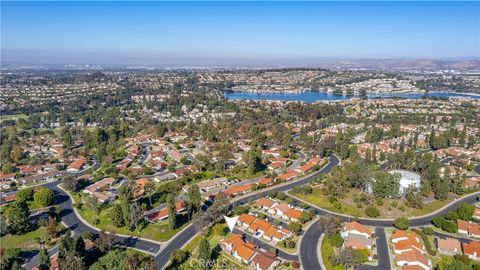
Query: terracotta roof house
{"type": "Point", "coordinates": [471, 182]}
{"type": "Point", "coordinates": [264, 260]}
{"type": "Point", "coordinates": [238, 190]}
{"type": "Point", "coordinates": [449, 246]}
{"type": "Point", "coordinates": [77, 165]}
{"type": "Point", "coordinates": [99, 185]}
{"type": "Point", "coordinates": [413, 258]}
{"type": "Point", "coordinates": [288, 175]}
{"type": "Point", "coordinates": [9, 176]}
{"type": "Point", "coordinates": [276, 234]}
{"type": "Point", "coordinates": [8, 198]}
{"type": "Point", "coordinates": [279, 209]}
{"type": "Point", "coordinates": [468, 228]}
{"type": "Point", "coordinates": [400, 235]}
{"type": "Point", "coordinates": [162, 213]}
{"type": "Point", "coordinates": [476, 214]}
{"type": "Point", "coordinates": [259, 225]}
{"type": "Point", "coordinates": [407, 245]}
{"type": "Point", "coordinates": [238, 248]}
{"type": "Point", "coordinates": [209, 184]}
{"type": "Point", "coordinates": [355, 228]}
{"type": "Point", "coordinates": [293, 214]}
{"type": "Point", "coordinates": [472, 250]}
{"type": "Point", "coordinates": [264, 203]}
{"type": "Point", "coordinates": [275, 165]}
{"type": "Point", "coordinates": [265, 181]}
{"type": "Point", "coordinates": [245, 220]}
{"type": "Point", "coordinates": [357, 241]}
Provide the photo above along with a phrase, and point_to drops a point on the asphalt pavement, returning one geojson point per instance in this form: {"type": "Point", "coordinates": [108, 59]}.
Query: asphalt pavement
{"type": "Point", "coordinates": [382, 252]}
{"type": "Point", "coordinates": [183, 237]}
{"type": "Point", "coordinates": [180, 239]}
{"type": "Point", "coordinates": [72, 222]}
{"type": "Point", "coordinates": [308, 247]}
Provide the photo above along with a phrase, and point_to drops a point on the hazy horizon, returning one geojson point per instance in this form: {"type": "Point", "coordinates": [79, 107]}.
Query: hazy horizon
{"type": "Point", "coordinates": [236, 33]}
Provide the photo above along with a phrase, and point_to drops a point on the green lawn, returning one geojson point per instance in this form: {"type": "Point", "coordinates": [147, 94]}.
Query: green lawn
{"type": "Point", "coordinates": [34, 205]}
{"type": "Point", "coordinates": [430, 207]}
{"type": "Point", "coordinates": [226, 261]}
{"type": "Point", "coordinates": [157, 231]}
{"type": "Point", "coordinates": [317, 198]}
{"type": "Point", "coordinates": [327, 253]}
{"type": "Point", "coordinates": [24, 241]}
{"type": "Point", "coordinates": [287, 249]}
{"type": "Point", "coordinates": [14, 117]}
{"type": "Point", "coordinates": [387, 210]}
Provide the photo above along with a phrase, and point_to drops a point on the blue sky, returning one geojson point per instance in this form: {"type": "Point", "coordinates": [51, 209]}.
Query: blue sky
{"type": "Point", "coordinates": [150, 32]}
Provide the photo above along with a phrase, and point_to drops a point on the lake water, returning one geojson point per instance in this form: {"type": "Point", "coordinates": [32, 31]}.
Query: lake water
{"type": "Point", "coordinates": [312, 96]}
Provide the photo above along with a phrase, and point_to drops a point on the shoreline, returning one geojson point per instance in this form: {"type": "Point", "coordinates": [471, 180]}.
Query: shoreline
{"type": "Point", "coordinates": [251, 95]}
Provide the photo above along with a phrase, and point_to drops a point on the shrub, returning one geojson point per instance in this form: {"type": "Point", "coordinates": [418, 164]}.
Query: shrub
{"type": "Point", "coordinates": [44, 197]}
{"type": "Point", "coordinates": [372, 211]}
{"type": "Point", "coordinates": [291, 244]}
{"type": "Point", "coordinates": [25, 195]}
{"type": "Point", "coordinates": [427, 243]}
{"type": "Point", "coordinates": [336, 240]}
{"type": "Point", "coordinates": [401, 223]}
{"type": "Point", "coordinates": [450, 226]}
{"type": "Point", "coordinates": [379, 202]}
{"type": "Point", "coordinates": [452, 216]}
{"type": "Point", "coordinates": [427, 230]}
{"type": "Point", "coordinates": [438, 221]}
{"type": "Point", "coordinates": [394, 204]}
{"type": "Point", "coordinates": [178, 256]}
{"type": "Point", "coordinates": [465, 211]}
{"type": "Point", "coordinates": [337, 205]}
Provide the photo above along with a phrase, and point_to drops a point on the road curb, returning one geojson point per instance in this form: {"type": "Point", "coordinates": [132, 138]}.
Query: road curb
{"type": "Point", "coordinates": [281, 184]}
{"type": "Point", "coordinates": [386, 219]}
{"type": "Point", "coordinates": [313, 221]}
{"type": "Point", "coordinates": [98, 230]}
{"type": "Point", "coordinates": [319, 251]}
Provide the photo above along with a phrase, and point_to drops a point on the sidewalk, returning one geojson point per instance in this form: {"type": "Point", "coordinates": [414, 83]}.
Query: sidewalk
{"type": "Point", "coordinates": [319, 251]}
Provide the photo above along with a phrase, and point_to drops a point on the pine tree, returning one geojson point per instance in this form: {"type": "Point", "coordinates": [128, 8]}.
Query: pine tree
{"type": "Point", "coordinates": [117, 216]}
{"type": "Point", "coordinates": [204, 253]}
{"type": "Point", "coordinates": [172, 211]}
{"type": "Point", "coordinates": [431, 139]}
{"type": "Point", "coordinates": [135, 216]}
{"type": "Point", "coordinates": [44, 260]}
{"type": "Point", "coordinates": [442, 191]}
{"type": "Point", "coordinates": [194, 197]}
{"type": "Point", "coordinates": [17, 216]}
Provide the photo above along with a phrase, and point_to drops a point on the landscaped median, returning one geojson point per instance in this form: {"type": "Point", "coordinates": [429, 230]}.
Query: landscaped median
{"type": "Point", "coordinates": [327, 255]}
{"type": "Point", "coordinates": [158, 232]}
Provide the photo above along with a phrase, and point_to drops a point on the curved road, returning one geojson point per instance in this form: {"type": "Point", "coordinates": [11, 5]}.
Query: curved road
{"type": "Point", "coordinates": [72, 222]}
{"type": "Point", "coordinates": [186, 235]}
{"type": "Point", "coordinates": [308, 247]}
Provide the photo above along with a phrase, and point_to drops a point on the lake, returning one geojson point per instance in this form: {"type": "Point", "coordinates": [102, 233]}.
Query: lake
{"type": "Point", "coordinates": [312, 96]}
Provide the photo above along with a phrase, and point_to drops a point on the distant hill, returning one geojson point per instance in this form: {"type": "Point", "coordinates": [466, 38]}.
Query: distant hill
{"type": "Point", "coordinates": [406, 64]}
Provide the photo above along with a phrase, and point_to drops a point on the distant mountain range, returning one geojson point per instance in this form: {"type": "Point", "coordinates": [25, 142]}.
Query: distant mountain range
{"type": "Point", "coordinates": [403, 64]}
{"type": "Point", "coordinates": [470, 63]}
